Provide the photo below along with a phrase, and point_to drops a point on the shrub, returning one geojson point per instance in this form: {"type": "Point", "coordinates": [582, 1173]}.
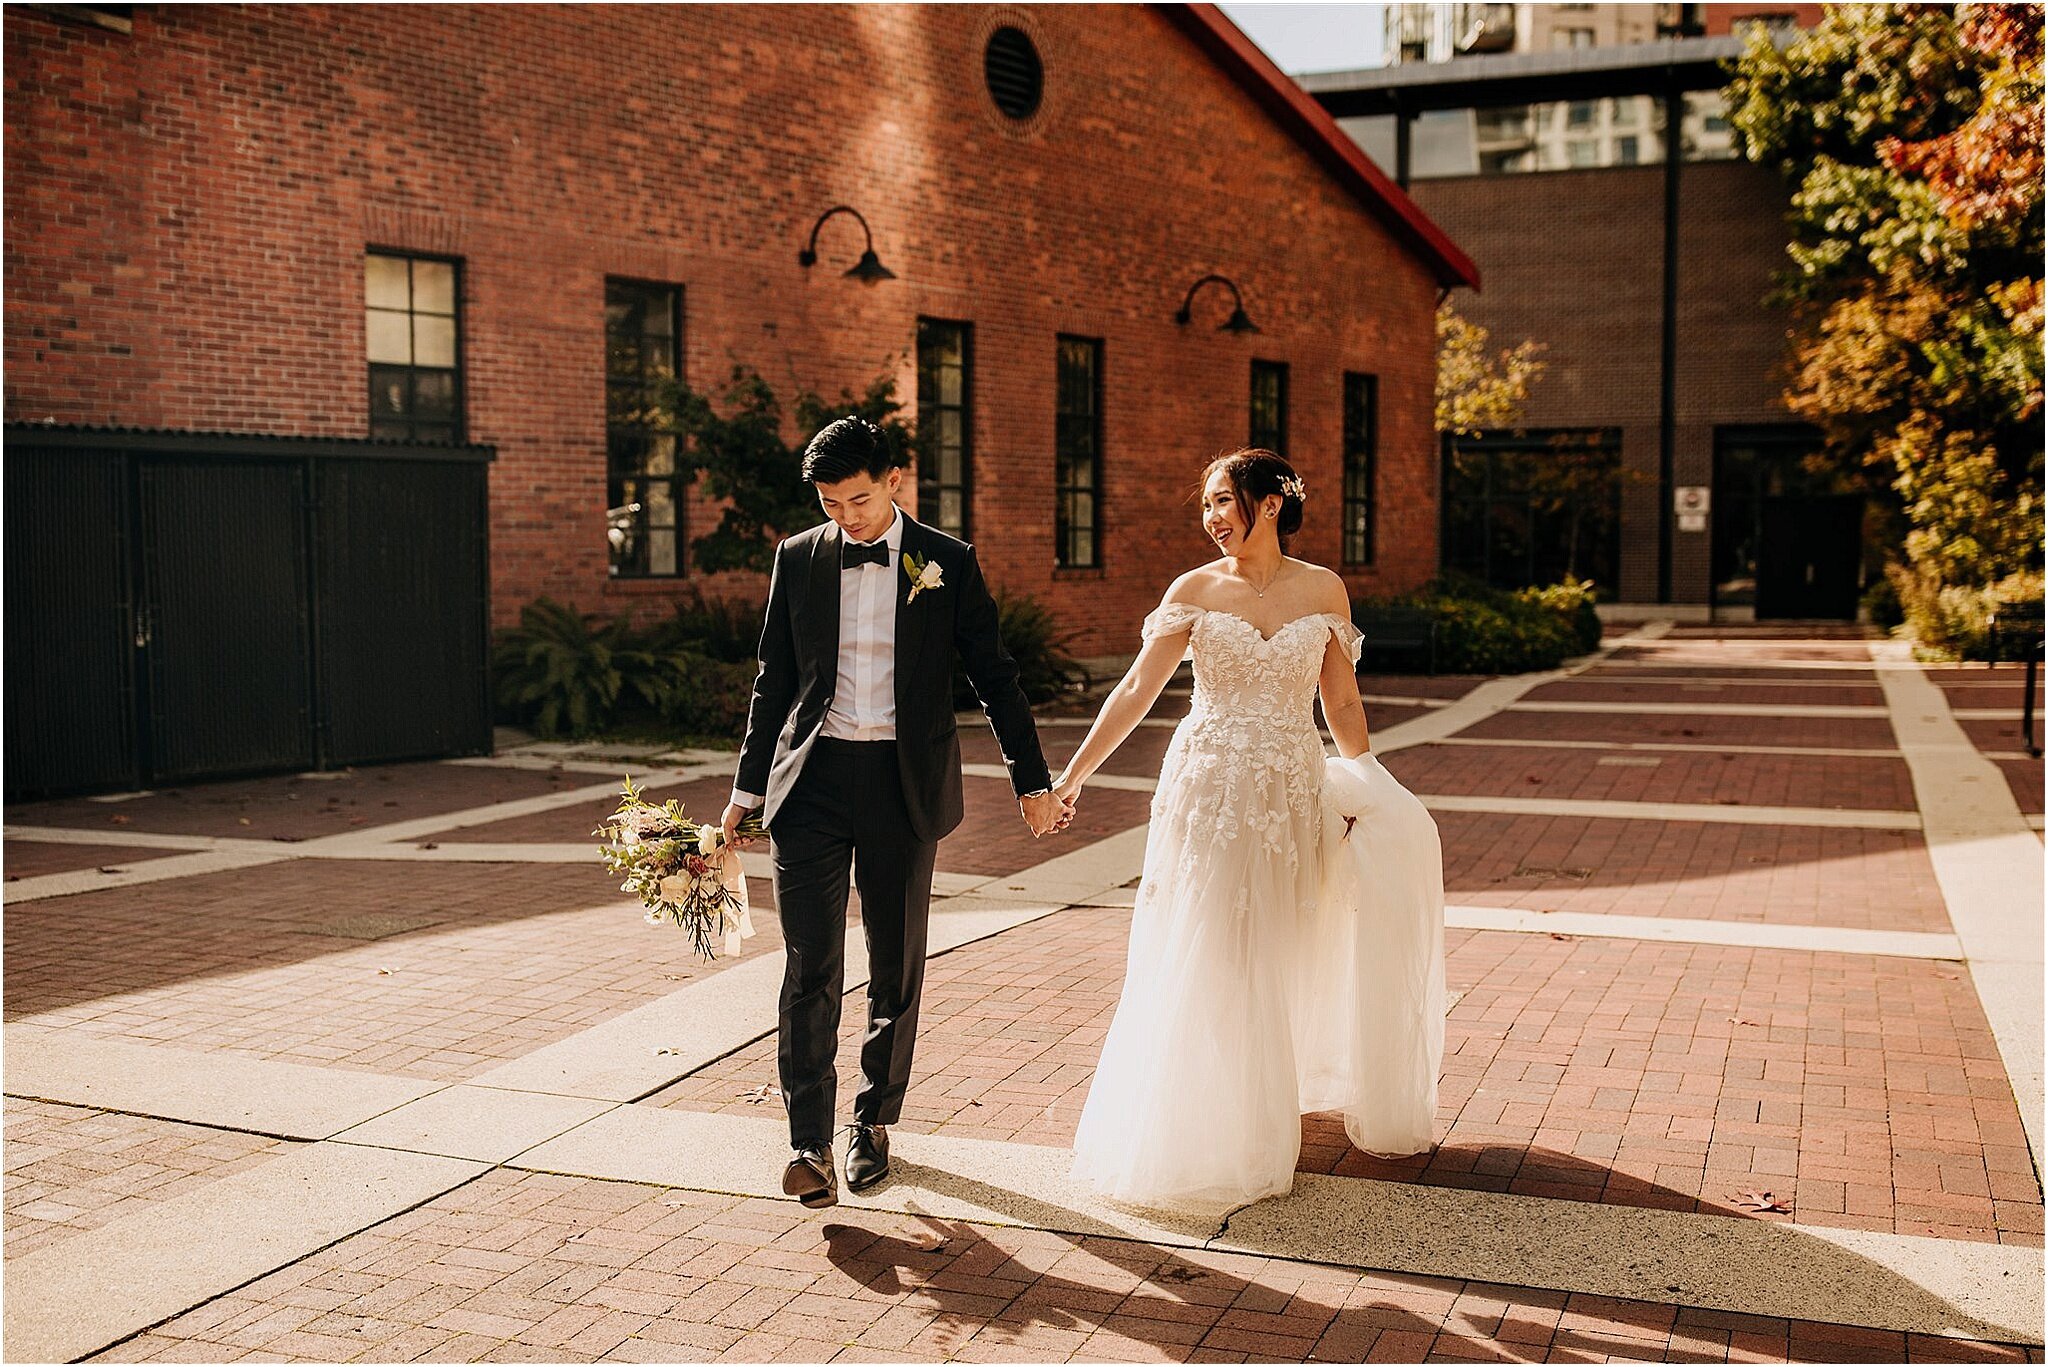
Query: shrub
{"type": "Point", "coordinates": [1573, 603]}
{"type": "Point", "coordinates": [1881, 602]}
{"type": "Point", "coordinates": [1954, 621]}
{"type": "Point", "coordinates": [724, 629]}
{"type": "Point", "coordinates": [1484, 630]}
{"type": "Point", "coordinates": [710, 696]}
{"type": "Point", "coordinates": [561, 673]}
{"type": "Point", "coordinates": [1035, 639]}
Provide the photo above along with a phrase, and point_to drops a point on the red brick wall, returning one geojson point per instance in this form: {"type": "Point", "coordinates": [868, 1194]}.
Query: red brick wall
{"type": "Point", "coordinates": [187, 209]}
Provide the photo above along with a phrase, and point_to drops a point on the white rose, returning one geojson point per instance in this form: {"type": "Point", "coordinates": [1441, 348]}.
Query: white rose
{"type": "Point", "coordinates": [677, 887]}
{"type": "Point", "coordinates": [928, 577]}
{"type": "Point", "coordinates": [709, 838]}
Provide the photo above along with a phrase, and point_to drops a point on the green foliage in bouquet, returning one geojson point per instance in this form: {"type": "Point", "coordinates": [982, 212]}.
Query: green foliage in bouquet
{"type": "Point", "coordinates": [678, 868]}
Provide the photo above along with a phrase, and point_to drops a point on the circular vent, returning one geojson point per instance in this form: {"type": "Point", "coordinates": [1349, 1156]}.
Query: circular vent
{"type": "Point", "coordinates": [1016, 78]}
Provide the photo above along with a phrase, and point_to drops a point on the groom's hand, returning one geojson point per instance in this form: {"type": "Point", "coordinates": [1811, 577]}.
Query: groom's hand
{"type": "Point", "coordinates": [734, 815]}
{"type": "Point", "coordinates": [1044, 813]}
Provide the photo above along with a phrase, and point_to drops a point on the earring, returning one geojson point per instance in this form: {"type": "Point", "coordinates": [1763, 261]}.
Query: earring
{"type": "Point", "coordinates": [1271, 513]}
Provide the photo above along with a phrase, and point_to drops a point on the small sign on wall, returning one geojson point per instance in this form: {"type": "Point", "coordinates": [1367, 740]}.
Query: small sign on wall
{"type": "Point", "coordinates": [1690, 502]}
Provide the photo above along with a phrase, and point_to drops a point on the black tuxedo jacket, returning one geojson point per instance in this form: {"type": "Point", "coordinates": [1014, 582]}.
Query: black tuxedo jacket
{"type": "Point", "coordinates": [800, 668]}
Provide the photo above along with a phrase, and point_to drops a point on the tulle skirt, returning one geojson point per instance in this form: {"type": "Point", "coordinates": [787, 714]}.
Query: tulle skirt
{"type": "Point", "coordinates": [1283, 959]}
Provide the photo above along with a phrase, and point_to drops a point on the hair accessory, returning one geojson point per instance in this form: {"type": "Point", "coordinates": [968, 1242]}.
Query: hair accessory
{"type": "Point", "coordinates": [1294, 488]}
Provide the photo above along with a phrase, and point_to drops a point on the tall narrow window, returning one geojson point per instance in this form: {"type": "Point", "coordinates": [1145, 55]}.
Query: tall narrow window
{"type": "Point", "coordinates": [945, 423]}
{"type": "Point", "coordinates": [1269, 405]}
{"type": "Point", "coordinates": [1361, 440]}
{"type": "Point", "coordinates": [1077, 454]}
{"type": "Point", "coordinates": [414, 347]}
{"type": "Point", "coordinates": [643, 326]}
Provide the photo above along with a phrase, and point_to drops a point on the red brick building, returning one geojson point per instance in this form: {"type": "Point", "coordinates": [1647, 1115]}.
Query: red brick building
{"type": "Point", "coordinates": [411, 222]}
{"type": "Point", "coordinates": [1602, 193]}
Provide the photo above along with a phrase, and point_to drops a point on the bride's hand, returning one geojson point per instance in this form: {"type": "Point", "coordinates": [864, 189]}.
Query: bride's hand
{"type": "Point", "coordinates": [1067, 789]}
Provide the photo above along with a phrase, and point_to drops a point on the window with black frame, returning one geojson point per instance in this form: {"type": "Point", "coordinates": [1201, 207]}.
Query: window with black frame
{"type": "Point", "coordinates": [1361, 460]}
{"type": "Point", "coordinates": [1077, 454]}
{"type": "Point", "coordinates": [945, 427]}
{"type": "Point", "coordinates": [1524, 508]}
{"type": "Point", "coordinates": [412, 340]}
{"type": "Point", "coordinates": [643, 324]}
{"type": "Point", "coordinates": [1269, 406]}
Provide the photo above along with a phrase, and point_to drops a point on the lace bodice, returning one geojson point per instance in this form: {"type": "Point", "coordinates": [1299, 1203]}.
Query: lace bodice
{"type": "Point", "coordinates": [1241, 674]}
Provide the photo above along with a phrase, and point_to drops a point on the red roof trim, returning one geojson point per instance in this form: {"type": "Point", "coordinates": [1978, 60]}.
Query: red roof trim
{"type": "Point", "coordinates": [1293, 109]}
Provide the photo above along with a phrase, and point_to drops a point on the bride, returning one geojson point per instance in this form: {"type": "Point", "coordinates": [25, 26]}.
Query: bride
{"type": "Point", "coordinates": [1286, 950]}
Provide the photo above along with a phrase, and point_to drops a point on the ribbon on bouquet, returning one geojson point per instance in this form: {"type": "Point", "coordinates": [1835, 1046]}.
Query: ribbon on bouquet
{"type": "Point", "coordinates": [739, 923]}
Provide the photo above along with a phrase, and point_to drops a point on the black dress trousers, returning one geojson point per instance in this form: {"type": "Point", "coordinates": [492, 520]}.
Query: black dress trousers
{"type": "Point", "coordinates": [844, 815]}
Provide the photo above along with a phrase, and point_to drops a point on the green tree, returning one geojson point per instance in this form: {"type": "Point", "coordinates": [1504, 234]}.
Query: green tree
{"type": "Point", "coordinates": [1911, 137]}
{"type": "Point", "coordinates": [1477, 388]}
{"type": "Point", "coordinates": [733, 443]}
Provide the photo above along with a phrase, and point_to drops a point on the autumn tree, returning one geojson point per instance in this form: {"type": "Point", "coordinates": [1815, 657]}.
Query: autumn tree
{"type": "Point", "coordinates": [1477, 388]}
{"type": "Point", "coordinates": [1911, 137]}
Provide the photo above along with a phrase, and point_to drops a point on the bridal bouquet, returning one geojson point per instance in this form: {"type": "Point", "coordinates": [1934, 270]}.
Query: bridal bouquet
{"type": "Point", "coordinates": [683, 870]}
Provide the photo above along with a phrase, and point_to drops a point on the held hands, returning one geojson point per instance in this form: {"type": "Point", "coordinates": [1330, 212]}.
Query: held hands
{"type": "Point", "coordinates": [1045, 813]}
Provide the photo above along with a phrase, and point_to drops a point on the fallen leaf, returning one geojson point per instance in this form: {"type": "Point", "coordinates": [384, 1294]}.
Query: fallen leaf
{"type": "Point", "coordinates": [659, 1052]}
{"type": "Point", "coordinates": [1760, 1201]}
{"type": "Point", "coordinates": [112, 868]}
{"type": "Point", "coordinates": [1556, 935]}
{"type": "Point", "coordinates": [383, 972]}
{"type": "Point", "coordinates": [120, 818]}
{"type": "Point", "coordinates": [1737, 1020]}
{"type": "Point", "coordinates": [760, 1094]}
{"type": "Point", "coordinates": [429, 845]}
{"type": "Point", "coordinates": [241, 821]}
{"type": "Point", "coordinates": [974, 1103]}
{"type": "Point", "coordinates": [1178, 1274]}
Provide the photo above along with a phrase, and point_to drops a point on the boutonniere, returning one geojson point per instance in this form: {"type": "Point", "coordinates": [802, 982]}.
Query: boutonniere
{"type": "Point", "coordinates": [924, 574]}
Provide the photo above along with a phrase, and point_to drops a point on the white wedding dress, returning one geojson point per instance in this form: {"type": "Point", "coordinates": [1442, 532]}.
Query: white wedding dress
{"type": "Point", "coordinates": [1286, 949]}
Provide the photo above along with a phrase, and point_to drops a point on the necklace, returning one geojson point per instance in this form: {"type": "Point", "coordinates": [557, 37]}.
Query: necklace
{"type": "Point", "coordinates": [1256, 590]}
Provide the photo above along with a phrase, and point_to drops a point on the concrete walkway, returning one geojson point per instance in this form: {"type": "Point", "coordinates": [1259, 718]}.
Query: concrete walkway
{"type": "Point", "coordinates": [419, 1087]}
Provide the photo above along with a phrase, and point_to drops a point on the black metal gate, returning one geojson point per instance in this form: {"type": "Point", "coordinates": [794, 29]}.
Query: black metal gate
{"type": "Point", "coordinates": [183, 606]}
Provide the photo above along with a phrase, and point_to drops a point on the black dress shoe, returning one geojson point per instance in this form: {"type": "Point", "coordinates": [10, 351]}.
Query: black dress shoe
{"type": "Point", "coordinates": [867, 1156]}
{"type": "Point", "coordinates": [811, 1179]}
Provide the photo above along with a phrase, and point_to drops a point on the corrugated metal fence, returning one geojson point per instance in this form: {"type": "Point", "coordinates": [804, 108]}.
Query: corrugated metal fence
{"type": "Point", "coordinates": [183, 606]}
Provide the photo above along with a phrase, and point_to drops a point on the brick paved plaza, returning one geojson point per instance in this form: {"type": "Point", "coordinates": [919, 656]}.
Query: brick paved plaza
{"type": "Point", "coordinates": [1743, 1060]}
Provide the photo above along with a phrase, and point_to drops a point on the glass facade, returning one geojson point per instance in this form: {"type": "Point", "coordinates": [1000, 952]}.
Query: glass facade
{"type": "Point", "coordinates": [1551, 135]}
{"type": "Point", "coordinates": [644, 522]}
{"type": "Point", "coordinates": [1523, 508]}
{"type": "Point", "coordinates": [945, 429]}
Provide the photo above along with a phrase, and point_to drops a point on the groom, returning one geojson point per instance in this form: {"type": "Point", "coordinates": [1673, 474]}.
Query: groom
{"type": "Point", "coordinates": [852, 747]}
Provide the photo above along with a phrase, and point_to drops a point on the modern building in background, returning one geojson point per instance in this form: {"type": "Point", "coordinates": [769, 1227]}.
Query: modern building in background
{"type": "Point", "coordinates": [328, 329]}
{"type": "Point", "coordinates": [1595, 181]}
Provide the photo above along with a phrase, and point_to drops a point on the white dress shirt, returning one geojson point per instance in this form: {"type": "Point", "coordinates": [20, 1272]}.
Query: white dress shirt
{"type": "Point", "coordinates": [864, 694]}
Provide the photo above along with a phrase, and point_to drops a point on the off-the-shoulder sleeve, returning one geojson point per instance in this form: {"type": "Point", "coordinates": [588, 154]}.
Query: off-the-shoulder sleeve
{"type": "Point", "coordinates": [1169, 619]}
{"type": "Point", "coordinates": [1348, 636]}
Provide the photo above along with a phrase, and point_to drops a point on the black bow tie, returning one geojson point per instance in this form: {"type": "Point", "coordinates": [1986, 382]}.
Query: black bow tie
{"type": "Point", "coordinates": [853, 553]}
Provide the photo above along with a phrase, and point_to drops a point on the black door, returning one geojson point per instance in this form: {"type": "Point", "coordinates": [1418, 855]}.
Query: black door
{"type": "Point", "coordinates": [70, 636]}
{"type": "Point", "coordinates": [1807, 555]}
{"type": "Point", "coordinates": [403, 617]}
{"type": "Point", "coordinates": [224, 617]}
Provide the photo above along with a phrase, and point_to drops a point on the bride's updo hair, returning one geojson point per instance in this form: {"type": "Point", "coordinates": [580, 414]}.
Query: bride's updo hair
{"type": "Point", "coordinates": [1257, 474]}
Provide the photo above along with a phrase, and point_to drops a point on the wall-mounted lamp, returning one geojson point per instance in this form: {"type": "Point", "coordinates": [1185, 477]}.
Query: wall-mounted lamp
{"type": "Point", "coordinates": [868, 270]}
{"type": "Point", "coordinates": [1237, 322]}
